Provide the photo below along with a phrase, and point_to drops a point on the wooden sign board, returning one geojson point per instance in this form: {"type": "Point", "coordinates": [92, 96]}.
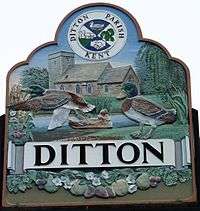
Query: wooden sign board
{"type": "Point", "coordinates": [98, 116]}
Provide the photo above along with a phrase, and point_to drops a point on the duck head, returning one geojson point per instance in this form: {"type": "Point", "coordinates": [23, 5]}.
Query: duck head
{"type": "Point", "coordinates": [80, 104]}
{"type": "Point", "coordinates": [170, 116]}
{"type": "Point", "coordinates": [128, 90]}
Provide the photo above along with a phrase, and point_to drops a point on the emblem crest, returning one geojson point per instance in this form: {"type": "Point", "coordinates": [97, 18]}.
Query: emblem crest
{"type": "Point", "coordinates": [97, 35]}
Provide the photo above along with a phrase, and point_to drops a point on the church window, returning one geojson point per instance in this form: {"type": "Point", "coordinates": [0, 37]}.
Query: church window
{"type": "Point", "coordinates": [106, 87]}
{"type": "Point", "coordinates": [62, 87]}
{"type": "Point", "coordinates": [89, 88]}
{"type": "Point", "coordinates": [78, 88]}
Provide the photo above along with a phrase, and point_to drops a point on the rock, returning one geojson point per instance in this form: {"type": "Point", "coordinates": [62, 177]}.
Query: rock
{"type": "Point", "coordinates": [101, 192]}
{"type": "Point", "coordinates": [40, 182]}
{"type": "Point", "coordinates": [154, 180]}
{"type": "Point", "coordinates": [110, 191]}
{"type": "Point", "coordinates": [143, 182]}
{"type": "Point", "coordinates": [120, 187]}
{"type": "Point", "coordinates": [153, 184]}
{"type": "Point", "coordinates": [90, 191]}
{"type": "Point", "coordinates": [132, 188]}
{"type": "Point", "coordinates": [158, 179]}
{"type": "Point", "coordinates": [78, 189]}
{"type": "Point", "coordinates": [50, 186]}
{"type": "Point", "coordinates": [40, 187]}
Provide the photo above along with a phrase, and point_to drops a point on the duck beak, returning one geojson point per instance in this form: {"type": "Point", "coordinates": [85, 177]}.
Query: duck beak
{"type": "Point", "coordinates": [121, 95]}
{"type": "Point", "coordinates": [26, 90]}
{"type": "Point", "coordinates": [89, 108]}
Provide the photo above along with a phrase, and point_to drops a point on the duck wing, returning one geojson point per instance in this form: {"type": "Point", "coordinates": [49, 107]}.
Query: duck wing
{"type": "Point", "coordinates": [46, 102]}
{"type": "Point", "coordinates": [53, 101]}
{"type": "Point", "coordinates": [147, 108]}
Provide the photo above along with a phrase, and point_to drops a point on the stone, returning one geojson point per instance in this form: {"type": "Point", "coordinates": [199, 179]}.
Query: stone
{"type": "Point", "coordinates": [158, 179]}
{"type": "Point", "coordinates": [50, 186]}
{"type": "Point", "coordinates": [40, 182]}
{"type": "Point", "coordinates": [120, 187]}
{"type": "Point", "coordinates": [78, 189]}
{"type": "Point", "coordinates": [153, 184]}
{"type": "Point", "coordinates": [101, 192]}
{"type": "Point", "coordinates": [143, 182]}
{"type": "Point", "coordinates": [110, 191]}
{"type": "Point", "coordinates": [90, 191]}
{"type": "Point", "coordinates": [154, 181]}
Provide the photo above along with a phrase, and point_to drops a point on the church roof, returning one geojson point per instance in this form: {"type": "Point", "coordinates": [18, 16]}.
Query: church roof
{"type": "Point", "coordinates": [102, 72]}
{"type": "Point", "coordinates": [114, 75]}
{"type": "Point", "coordinates": [85, 72]}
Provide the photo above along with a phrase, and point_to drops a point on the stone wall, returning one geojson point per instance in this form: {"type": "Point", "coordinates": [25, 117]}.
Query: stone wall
{"type": "Point", "coordinates": [83, 87]}
{"type": "Point", "coordinates": [112, 89]}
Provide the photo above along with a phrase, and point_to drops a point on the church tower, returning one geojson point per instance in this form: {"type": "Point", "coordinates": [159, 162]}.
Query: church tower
{"type": "Point", "coordinates": [58, 64]}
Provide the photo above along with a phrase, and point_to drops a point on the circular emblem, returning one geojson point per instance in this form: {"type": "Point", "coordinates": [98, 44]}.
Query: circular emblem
{"type": "Point", "coordinates": [97, 35]}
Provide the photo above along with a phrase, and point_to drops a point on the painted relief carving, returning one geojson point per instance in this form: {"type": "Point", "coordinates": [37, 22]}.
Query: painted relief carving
{"type": "Point", "coordinates": [100, 114]}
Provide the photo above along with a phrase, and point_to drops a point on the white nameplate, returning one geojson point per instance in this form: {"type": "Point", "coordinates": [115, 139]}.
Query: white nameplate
{"type": "Point", "coordinates": [95, 154]}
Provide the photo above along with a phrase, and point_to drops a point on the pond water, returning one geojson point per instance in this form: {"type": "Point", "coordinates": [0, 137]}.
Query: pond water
{"type": "Point", "coordinates": [118, 120]}
{"type": "Point", "coordinates": [40, 132]}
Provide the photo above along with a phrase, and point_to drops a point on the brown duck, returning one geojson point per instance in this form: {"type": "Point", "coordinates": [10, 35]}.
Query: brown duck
{"type": "Point", "coordinates": [58, 101]}
{"type": "Point", "coordinates": [146, 112]}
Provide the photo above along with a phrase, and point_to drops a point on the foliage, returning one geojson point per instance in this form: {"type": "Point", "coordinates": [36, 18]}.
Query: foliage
{"type": "Point", "coordinates": [130, 89]}
{"type": "Point", "coordinates": [100, 103]}
{"type": "Point", "coordinates": [108, 35]}
{"type": "Point", "coordinates": [52, 181]}
{"type": "Point", "coordinates": [35, 75]}
{"type": "Point", "coordinates": [110, 103]}
{"type": "Point", "coordinates": [19, 127]}
{"type": "Point", "coordinates": [156, 70]}
{"type": "Point", "coordinates": [173, 131]}
{"type": "Point", "coordinates": [16, 95]}
{"type": "Point", "coordinates": [17, 183]}
{"type": "Point", "coordinates": [178, 100]}
{"type": "Point", "coordinates": [170, 176]}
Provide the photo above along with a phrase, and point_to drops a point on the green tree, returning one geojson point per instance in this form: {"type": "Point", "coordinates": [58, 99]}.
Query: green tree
{"type": "Point", "coordinates": [35, 76]}
{"type": "Point", "coordinates": [157, 72]}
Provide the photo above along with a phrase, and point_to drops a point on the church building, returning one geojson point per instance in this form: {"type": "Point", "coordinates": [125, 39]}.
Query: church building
{"type": "Point", "coordinates": [97, 79]}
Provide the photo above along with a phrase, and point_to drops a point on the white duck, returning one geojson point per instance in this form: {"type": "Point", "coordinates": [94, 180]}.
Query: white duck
{"type": "Point", "coordinates": [96, 26]}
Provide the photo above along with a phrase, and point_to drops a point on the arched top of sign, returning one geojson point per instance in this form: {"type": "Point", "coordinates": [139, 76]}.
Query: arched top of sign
{"type": "Point", "coordinates": [136, 27]}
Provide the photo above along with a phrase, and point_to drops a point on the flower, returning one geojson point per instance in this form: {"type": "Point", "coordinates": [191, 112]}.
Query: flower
{"type": "Point", "coordinates": [57, 181]}
{"type": "Point", "coordinates": [64, 179]}
{"type": "Point", "coordinates": [130, 179]}
{"type": "Point", "coordinates": [132, 188]}
{"type": "Point", "coordinates": [25, 179]}
{"type": "Point", "coordinates": [96, 181]}
{"type": "Point", "coordinates": [75, 172]}
{"type": "Point", "coordinates": [17, 134]}
{"type": "Point", "coordinates": [13, 113]}
{"type": "Point", "coordinates": [68, 184]}
{"type": "Point", "coordinates": [105, 174]}
{"type": "Point", "coordinates": [89, 175]}
{"type": "Point", "coordinates": [13, 120]}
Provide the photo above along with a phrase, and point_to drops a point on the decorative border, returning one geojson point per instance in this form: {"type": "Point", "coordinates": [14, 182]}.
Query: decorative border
{"type": "Point", "coordinates": [140, 39]}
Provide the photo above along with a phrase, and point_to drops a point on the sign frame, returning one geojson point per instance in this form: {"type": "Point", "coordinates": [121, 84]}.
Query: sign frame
{"type": "Point", "coordinates": [193, 199]}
